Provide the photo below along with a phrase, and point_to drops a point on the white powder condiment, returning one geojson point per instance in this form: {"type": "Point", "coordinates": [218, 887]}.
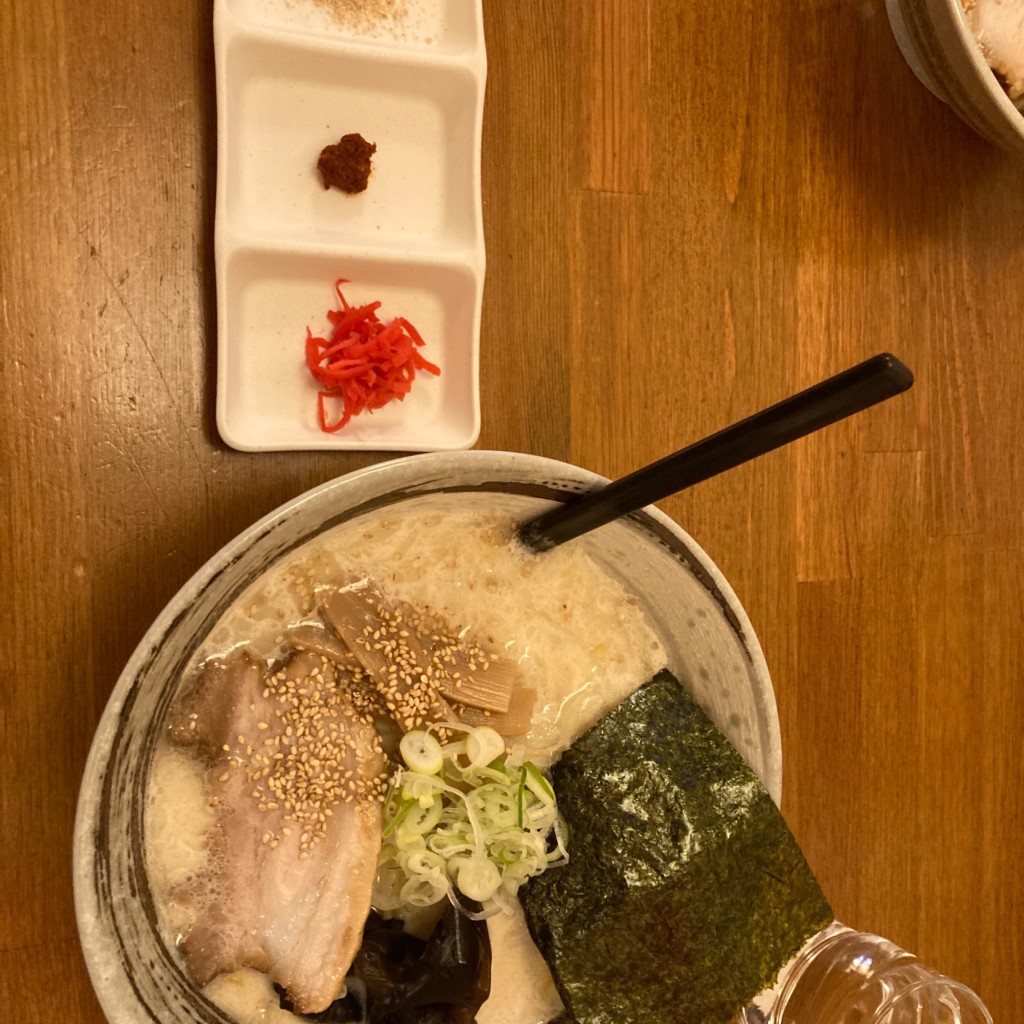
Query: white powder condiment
{"type": "Point", "coordinates": [361, 17]}
{"type": "Point", "coordinates": [387, 22]}
{"type": "Point", "coordinates": [579, 638]}
{"type": "Point", "coordinates": [998, 25]}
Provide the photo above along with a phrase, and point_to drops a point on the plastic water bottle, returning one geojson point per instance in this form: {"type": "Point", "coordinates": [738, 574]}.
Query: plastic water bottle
{"type": "Point", "coordinates": [842, 976]}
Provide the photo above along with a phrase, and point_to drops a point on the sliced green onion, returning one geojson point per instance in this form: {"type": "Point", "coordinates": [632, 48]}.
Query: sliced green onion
{"type": "Point", "coordinates": [478, 878]}
{"type": "Point", "coordinates": [422, 788]}
{"type": "Point", "coordinates": [420, 819]}
{"type": "Point", "coordinates": [538, 785]}
{"type": "Point", "coordinates": [424, 862]}
{"type": "Point", "coordinates": [421, 752]}
{"type": "Point", "coordinates": [464, 820]}
{"type": "Point", "coordinates": [393, 823]}
{"type": "Point", "coordinates": [424, 891]}
{"type": "Point", "coordinates": [484, 745]}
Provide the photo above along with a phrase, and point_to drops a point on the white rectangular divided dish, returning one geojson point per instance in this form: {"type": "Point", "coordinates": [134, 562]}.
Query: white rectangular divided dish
{"type": "Point", "coordinates": [294, 76]}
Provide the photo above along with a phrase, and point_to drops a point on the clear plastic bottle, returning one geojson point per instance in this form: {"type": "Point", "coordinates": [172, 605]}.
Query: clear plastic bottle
{"type": "Point", "coordinates": [842, 976]}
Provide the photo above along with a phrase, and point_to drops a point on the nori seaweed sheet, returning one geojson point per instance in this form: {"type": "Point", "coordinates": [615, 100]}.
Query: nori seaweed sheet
{"type": "Point", "coordinates": [685, 891]}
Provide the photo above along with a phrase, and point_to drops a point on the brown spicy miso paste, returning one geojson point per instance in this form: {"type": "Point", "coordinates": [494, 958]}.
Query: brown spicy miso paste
{"type": "Point", "coordinates": [346, 164]}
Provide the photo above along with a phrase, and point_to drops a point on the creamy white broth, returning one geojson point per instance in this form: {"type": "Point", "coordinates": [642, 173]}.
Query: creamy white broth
{"type": "Point", "coordinates": [579, 638]}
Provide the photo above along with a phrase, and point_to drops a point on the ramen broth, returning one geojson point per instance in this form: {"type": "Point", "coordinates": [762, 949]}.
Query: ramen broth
{"type": "Point", "coordinates": [577, 637]}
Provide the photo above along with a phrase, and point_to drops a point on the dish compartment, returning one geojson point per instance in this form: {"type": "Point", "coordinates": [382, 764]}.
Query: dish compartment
{"type": "Point", "coordinates": [286, 102]}
{"type": "Point", "coordinates": [443, 27]}
{"type": "Point", "coordinates": [269, 398]}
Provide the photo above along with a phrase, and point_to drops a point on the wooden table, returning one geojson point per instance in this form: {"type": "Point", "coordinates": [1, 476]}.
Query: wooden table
{"type": "Point", "coordinates": [691, 211]}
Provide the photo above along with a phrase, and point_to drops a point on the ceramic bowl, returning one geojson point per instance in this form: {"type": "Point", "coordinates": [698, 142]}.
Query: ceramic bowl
{"type": "Point", "coordinates": [936, 39]}
{"type": "Point", "coordinates": [708, 638]}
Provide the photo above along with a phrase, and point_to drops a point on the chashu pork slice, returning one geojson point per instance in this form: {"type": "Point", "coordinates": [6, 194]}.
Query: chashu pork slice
{"type": "Point", "coordinates": [296, 779]}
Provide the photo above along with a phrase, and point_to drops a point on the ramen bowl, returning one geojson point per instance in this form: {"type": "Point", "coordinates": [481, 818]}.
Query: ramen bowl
{"type": "Point", "coordinates": [938, 43]}
{"type": "Point", "coordinates": [707, 636]}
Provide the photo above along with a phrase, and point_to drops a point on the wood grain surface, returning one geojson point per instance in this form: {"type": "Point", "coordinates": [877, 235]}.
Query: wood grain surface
{"type": "Point", "coordinates": [691, 210]}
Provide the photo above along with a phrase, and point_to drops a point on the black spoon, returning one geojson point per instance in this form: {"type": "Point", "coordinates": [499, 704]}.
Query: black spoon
{"type": "Point", "coordinates": [858, 388]}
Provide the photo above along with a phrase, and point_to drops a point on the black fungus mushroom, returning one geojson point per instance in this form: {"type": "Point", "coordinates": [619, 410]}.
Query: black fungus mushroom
{"type": "Point", "coordinates": [397, 978]}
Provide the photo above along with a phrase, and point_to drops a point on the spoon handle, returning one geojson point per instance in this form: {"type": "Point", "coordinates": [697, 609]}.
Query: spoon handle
{"type": "Point", "coordinates": [846, 393]}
